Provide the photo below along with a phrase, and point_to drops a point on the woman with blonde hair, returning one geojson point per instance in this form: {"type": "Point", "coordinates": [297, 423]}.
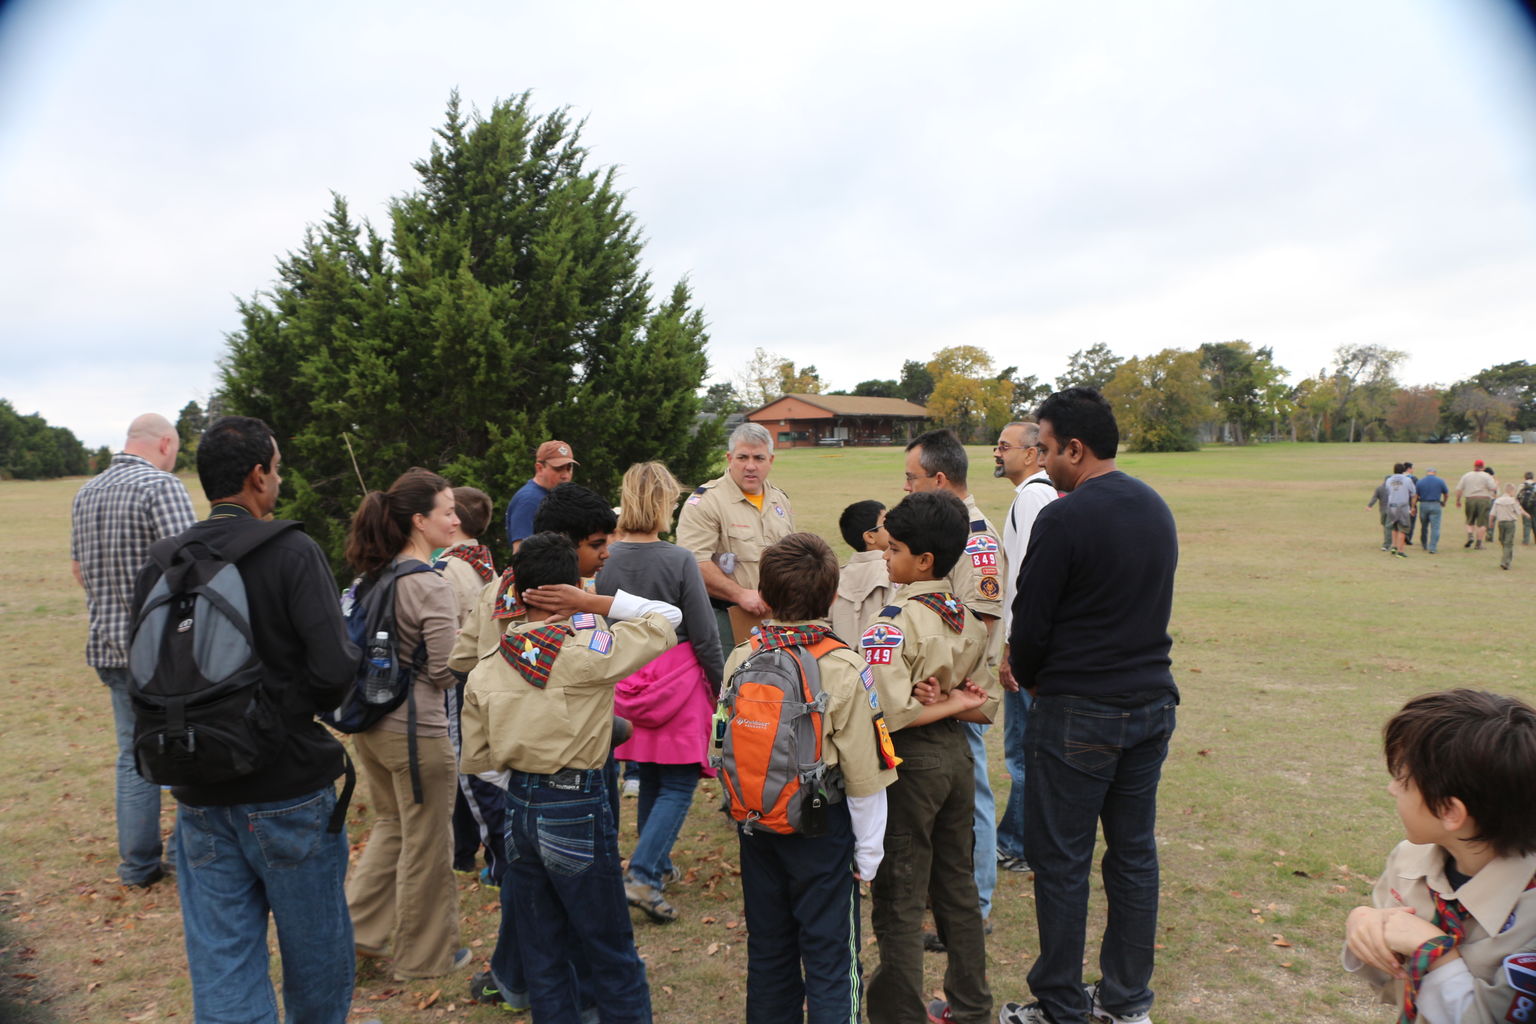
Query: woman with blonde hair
{"type": "Point", "coordinates": [669, 702]}
{"type": "Point", "coordinates": [401, 893]}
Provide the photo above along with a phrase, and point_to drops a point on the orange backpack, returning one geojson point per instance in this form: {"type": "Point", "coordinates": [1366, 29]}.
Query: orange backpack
{"type": "Point", "coordinates": [768, 731]}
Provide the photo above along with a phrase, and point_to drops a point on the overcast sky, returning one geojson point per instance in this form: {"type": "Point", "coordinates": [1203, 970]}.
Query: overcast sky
{"type": "Point", "coordinates": [847, 185]}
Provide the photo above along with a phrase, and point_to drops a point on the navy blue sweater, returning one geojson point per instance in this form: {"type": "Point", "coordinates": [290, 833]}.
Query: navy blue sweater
{"type": "Point", "coordinates": [1095, 592]}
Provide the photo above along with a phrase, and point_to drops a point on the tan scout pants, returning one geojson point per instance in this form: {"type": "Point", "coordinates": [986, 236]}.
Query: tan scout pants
{"type": "Point", "coordinates": [402, 893]}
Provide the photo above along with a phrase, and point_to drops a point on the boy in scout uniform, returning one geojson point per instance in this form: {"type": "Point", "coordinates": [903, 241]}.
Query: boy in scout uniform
{"type": "Point", "coordinates": [937, 461]}
{"type": "Point", "coordinates": [800, 894]}
{"type": "Point", "coordinates": [727, 523]}
{"type": "Point", "coordinates": [928, 633]}
{"type": "Point", "coordinates": [863, 588]}
{"type": "Point", "coordinates": [541, 708]}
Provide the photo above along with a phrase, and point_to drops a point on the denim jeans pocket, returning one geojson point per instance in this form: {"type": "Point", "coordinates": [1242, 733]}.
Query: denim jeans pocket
{"type": "Point", "coordinates": [194, 833]}
{"type": "Point", "coordinates": [567, 846]}
{"type": "Point", "coordinates": [289, 836]}
{"type": "Point", "coordinates": [1092, 740]}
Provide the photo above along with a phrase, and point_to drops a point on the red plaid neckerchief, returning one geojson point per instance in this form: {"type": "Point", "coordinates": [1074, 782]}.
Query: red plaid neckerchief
{"type": "Point", "coordinates": [1449, 918]}
{"type": "Point", "coordinates": [770, 637]}
{"type": "Point", "coordinates": [533, 653]}
{"type": "Point", "coordinates": [477, 555]}
{"type": "Point", "coordinates": [946, 607]}
{"type": "Point", "coordinates": [507, 605]}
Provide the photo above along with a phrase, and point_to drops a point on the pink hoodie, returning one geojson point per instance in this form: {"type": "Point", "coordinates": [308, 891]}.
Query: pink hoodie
{"type": "Point", "coordinates": [670, 704]}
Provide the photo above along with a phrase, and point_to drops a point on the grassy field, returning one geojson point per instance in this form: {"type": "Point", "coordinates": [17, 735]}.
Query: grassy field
{"type": "Point", "coordinates": [1294, 638]}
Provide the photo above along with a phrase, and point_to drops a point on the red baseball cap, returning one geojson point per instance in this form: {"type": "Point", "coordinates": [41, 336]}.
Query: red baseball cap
{"type": "Point", "coordinates": [555, 454]}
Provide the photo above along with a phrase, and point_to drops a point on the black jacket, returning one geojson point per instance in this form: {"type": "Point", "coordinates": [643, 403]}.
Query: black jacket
{"type": "Point", "coordinates": [302, 641]}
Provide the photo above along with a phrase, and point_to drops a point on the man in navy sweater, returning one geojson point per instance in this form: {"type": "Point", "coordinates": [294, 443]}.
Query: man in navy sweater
{"type": "Point", "coordinates": [1090, 642]}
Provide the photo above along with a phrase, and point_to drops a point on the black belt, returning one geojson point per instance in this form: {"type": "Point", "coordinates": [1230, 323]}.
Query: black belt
{"type": "Point", "coordinates": [565, 778]}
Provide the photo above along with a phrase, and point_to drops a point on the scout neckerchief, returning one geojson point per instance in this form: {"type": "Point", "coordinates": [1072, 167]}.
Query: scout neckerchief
{"type": "Point", "coordinates": [507, 605]}
{"type": "Point", "coordinates": [946, 607]}
{"type": "Point", "coordinates": [1449, 918]}
{"type": "Point", "coordinates": [770, 637]}
{"type": "Point", "coordinates": [477, 555]}
{"type": "Point", "coordinates": [533, 653]}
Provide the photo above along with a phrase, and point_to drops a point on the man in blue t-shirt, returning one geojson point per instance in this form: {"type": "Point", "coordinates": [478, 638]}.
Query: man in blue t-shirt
{"type": "Point", "coordinates": [1402, 503]}
{"type": "Point", "coordinates": [553, 465]}
{"type": "Point", "coordinates": [1432, 492]}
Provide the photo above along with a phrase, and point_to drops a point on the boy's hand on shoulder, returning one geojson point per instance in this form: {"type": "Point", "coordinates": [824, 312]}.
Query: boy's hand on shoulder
{"type": "Point", "coordinates": [559, 600]}
{"type": "Point", "coordinates": [1373, 934]}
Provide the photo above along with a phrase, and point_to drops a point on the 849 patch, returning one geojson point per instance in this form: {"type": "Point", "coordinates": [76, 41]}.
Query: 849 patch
{"type": "Point", "coordinates": [879, 642]}
{"type": "Point", "coordinates": [1520, 972]}
{"type": "Point", "coordinates": [983, 550]}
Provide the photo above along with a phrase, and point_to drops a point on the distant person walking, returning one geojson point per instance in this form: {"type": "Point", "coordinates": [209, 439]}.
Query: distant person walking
{"type": "Point", "coordinates": [1379, 503]}
{"type": "Point", "coordinates": [1527, 500]}
{"type": "Point", "coordinates": [1402, 500]}
{"type": "Point", "coordinates": [1506, 510]}
{"type": "Point", "coordinates": [553, 465]}
{"type": "Point", "coordinates": [1413, 515]}
{"type": "Point", "coordinates": [1478, 489]}
{"type": "Point", "coordinates": [1432, 493]}
{"type": "Point", "coordinates": [116, 517]}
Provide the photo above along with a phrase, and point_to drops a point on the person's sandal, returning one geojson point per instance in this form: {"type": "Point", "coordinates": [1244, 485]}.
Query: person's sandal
{"type": "Point", "coordinates": [649, 899]}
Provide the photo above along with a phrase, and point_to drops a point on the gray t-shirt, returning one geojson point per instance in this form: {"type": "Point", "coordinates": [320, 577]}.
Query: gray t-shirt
{"type": "Point", "coordinates": [665, 572]}
{"type": "Point", "coordinates": [1400, 490]}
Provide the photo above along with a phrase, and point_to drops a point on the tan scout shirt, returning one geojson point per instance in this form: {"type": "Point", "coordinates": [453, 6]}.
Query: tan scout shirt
{"type": "Point", "coordinates": [977, 578]}
{"type": "Point", "coordinates": [466, 582]}
{"type": "Point", "coordinates": [479, 634]}
{"type": "Point", "coordinates": [909, 642]}
{"type": "Point", "coordinates": [863, 588]}
{"type": "Point", "coordinates": [848, 728]}
{"type": "Point", "coordinates": [1500, 920]}
{"type": "Point", "coordinates": [717, 519]}
{"type": "Point", "coordinates": [568, 723]}
{"type": "Point", "coordinates": [1478, 484]}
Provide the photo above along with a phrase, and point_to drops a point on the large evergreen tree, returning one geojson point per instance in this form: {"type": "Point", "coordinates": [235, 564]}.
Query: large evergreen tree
{"type": "Point", "coordinates": [506, 307]}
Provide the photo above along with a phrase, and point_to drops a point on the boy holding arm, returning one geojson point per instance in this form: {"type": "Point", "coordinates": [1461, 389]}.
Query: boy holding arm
{"type": "Point", "coordinates": [1452, 925]}
{"type": "Point", "coordinates": [863, 587]}
{"type": "Point", "coordinates": [928, 634]}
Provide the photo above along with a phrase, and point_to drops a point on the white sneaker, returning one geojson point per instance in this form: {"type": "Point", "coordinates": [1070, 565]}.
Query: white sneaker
{"type": "Point", "coordinates": [1097, 1012]}
{"type": "Point", "coordinates": [1018, 1013]}
{"type": "Point", "coordinates": [631, 787]}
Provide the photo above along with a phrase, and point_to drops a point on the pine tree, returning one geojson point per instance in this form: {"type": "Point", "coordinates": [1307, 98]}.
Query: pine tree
{"type": "Point", "coordinates": [506, 307]}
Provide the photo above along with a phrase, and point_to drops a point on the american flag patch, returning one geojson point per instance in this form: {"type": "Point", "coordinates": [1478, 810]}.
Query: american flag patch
{"type": "Point", "coordinates": [584, 620]}
{"type": "Point", "coordinates": [867, 678]}
{"type": "Point", "coordinates": [601, 642]}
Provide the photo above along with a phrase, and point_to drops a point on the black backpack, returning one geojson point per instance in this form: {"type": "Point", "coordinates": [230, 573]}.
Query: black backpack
{"type": "Point", "coordinates": [384, 679]}
{"type": "Point", "coordinates": [202, 714]}
{"type": "Point", "coordinates": [1527, 497]}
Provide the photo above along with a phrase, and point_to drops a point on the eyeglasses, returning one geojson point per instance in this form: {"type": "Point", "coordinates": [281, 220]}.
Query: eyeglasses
{"type": "Point", "coordinates": [917, 476]}
{"type": "Point", "coordinates": [1004, 446]}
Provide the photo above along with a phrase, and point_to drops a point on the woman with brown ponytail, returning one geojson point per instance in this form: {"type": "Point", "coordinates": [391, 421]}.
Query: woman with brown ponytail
{"type": "Point", "coordinates": [402, 893]}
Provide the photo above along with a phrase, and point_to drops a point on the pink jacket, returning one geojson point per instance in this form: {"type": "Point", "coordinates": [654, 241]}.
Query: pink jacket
{"type": "Point", "coordinates": [670, 705]}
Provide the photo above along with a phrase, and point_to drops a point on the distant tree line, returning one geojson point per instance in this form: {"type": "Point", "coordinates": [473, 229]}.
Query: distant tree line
{"type": "Point", "coordinates": [32, 450]}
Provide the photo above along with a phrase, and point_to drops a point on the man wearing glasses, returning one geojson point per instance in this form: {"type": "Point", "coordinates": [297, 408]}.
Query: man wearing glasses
{"type": "Point", "coordinates": [1016, 457]}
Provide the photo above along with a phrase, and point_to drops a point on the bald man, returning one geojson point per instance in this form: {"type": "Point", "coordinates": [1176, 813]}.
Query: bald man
{"type": "Point", "coordinates": [116, 517]}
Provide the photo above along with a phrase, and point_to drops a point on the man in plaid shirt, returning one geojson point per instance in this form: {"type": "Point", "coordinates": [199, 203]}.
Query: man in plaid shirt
{"type": "Point", "coordinates": [116, 517]}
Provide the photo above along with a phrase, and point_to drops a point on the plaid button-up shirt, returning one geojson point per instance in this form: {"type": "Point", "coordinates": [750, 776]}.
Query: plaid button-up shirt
{"type": "Point", "coordinates": [116, 517]}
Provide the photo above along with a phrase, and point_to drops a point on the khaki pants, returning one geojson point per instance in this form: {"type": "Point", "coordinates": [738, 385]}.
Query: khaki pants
{"type": "Point", "coordinates": [402, 893]}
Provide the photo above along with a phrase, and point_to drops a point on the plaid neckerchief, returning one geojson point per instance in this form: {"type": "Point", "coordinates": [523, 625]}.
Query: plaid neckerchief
{"type": "Point", "coordinates": [1451, 919]}
{"type": "Point", "coordinates": [946, 607]}
{"type": "Point", "coordinates": [477, 555]}
{"type": "Point", "coordinates": [507, 605]}
{"type": "Point", "coordinates": [533, 653]}
{"type": "Point", "coordinates": [770, 637]}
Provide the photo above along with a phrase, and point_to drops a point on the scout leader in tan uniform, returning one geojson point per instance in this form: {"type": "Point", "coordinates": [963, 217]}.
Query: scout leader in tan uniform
{"type": "Point", "coordinates": [542, 708]}
{"type": "Point", "coordinates": [727, 523]}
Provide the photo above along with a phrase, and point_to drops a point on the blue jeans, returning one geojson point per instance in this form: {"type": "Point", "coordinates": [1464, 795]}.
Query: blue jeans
{"type": "Point", "coordinates": [138, 800]}
{"type": "Point", "coordinates": [568, 893]}
{"type": "Point", "coordinates": [1091, 761]}
{"type": "Point", "coordinates": [1429, 525]}
{"type": "Point", "coordinates": [1010, 827]}
{"type": "Point", "coordinates": [236, 864]}
{"type": "Point", "coordinates": [666, 794]}
{"type": "Point", "coordinates": [984, 819]}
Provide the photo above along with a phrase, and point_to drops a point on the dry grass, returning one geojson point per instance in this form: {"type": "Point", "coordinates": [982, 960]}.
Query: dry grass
{"type": "Point", "coordinates": [1295, 638]}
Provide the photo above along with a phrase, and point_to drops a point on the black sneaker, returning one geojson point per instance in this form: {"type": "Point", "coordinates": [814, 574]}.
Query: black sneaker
{"type": "Point", "coordinates": [1468, 543]}
{"type": "Point", "coordinates": [484, 990]}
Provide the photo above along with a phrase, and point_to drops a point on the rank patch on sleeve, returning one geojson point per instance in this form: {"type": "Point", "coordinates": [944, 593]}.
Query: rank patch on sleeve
{"type": "Point", "coordinates": [988, 587]}
{"type": "Point", "coordinates": [879, 641]}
